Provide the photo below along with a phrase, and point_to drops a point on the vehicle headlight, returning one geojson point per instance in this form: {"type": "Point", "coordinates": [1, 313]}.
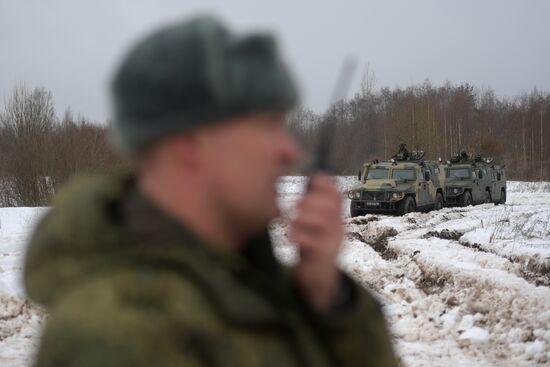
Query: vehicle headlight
{"type": "Point", "coordinates": [354, 194]}
{"type": "Point", "coordinates": [395, 195]}
{"type": "Point", "coordinates": [456, 190]}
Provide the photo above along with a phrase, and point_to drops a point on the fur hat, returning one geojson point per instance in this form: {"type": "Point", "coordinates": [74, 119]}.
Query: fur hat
{"type": "Point", "coordinates": [191, 74]}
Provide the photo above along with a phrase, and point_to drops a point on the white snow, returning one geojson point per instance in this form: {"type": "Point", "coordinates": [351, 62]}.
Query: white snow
{"type": "Point", "coordinates": [475, 334]}
{"type": "Point", "coordinates": [20, 322]}
{"type": "Point", "coordinates": [460, 286]}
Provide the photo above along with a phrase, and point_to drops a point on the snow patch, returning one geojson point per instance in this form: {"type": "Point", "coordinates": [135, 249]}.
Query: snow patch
{"type": "Point", "coordinates": [459, 286]}
{"type": "Point", "coordinates": [475, 335]}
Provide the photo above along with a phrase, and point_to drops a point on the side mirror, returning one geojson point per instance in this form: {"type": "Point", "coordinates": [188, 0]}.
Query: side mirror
{"type": "Point", "coordinates": [359, 175]}
{"type": "Point", "coordinates": [427, 176]}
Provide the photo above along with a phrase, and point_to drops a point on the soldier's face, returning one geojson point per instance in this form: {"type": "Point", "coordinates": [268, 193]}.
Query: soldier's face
{"type": "Point", "coordinates": [247, 156]}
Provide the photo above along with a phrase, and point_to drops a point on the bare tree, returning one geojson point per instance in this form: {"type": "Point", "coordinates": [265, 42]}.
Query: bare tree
{"type": "Point", "coordinates": [27, 119]}
{"type": "Point", "coordinates": [38, 153]}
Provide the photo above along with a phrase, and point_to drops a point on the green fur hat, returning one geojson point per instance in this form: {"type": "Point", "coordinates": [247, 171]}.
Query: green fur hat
{"type": "Point", "coordinates": [191, 74]}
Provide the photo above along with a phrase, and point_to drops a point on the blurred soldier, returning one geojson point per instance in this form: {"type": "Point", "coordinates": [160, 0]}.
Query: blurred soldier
{"type": "Point", "coordinates": [172, 265]}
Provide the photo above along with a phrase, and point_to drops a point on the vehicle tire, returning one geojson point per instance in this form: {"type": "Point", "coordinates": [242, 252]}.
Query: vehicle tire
{"type": "Point", "coordinates": [353, 212]}
{"type": "Point", "coordinates": [488, 198]}
{"type": "Point", "coordinates": [405, 206]}
{"type": "Point", "coordinates": [438, 202]}
{"type": "Point", "coordinates": [465, 199]}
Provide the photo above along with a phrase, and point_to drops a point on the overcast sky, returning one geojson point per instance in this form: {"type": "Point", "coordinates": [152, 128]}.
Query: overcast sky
{"type": "Point", "coordinates": [71, 47]}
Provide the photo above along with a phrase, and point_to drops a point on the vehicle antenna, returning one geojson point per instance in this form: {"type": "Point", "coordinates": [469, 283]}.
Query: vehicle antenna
{"type": "Point", "coordinates": [327, 128]}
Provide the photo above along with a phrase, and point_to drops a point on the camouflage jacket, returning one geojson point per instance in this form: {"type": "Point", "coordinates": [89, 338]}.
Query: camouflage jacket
{"type": "Point", "coordinates": [127, 286]}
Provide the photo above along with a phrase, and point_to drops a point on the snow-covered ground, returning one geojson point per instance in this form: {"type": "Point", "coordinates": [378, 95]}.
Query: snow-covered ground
{"type": "Point", "coordinates": [20, 322]}
{"type": "Point", "coordinates": [460, 286]}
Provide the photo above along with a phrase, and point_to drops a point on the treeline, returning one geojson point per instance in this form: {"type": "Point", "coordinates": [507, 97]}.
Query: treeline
{"type": "Point", "coordinates": [39, 150]}
{"type": "Point", "coordinates": [441, 120]}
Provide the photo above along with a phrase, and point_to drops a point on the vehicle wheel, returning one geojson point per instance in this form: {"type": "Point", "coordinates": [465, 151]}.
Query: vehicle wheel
{"type": "Point", "coordinates": [406, 206]}
{"type": "Point", "coordinates": [465, 199]}
{"type": "Point", "coordinates": [488, 198]}
{"type": "Point", "coordinates": [438, 202]}
{"type": "Point", "coordinates": [353, 212]}
{"type": "Point", "coordinates": [502, 197]}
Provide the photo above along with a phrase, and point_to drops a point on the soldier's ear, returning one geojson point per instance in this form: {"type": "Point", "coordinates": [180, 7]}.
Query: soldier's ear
{"type": "Point", "coordinates": [184, 149]}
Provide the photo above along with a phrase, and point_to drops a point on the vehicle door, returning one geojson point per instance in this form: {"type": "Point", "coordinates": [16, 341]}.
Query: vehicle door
{"type": "Point", "coordinates": [425, 186]}
{"type": "Point", "coordinates": [477, 194]}
{"type": "Point", "coordinates": [499, 177]}
{"type": "Point", "coordinates": [486, 182]}
{"type": "Point", "coordinates": [436, 176]}
{"type": "Point", "coordinates": [493, 183]}
{"type": "Point", "coordinates": [435, 183]}
{"type": "Point", "coordinates": [442, 179]}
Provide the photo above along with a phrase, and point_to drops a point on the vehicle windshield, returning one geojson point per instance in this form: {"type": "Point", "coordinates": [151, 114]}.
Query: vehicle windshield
{"type": "Point", "coordinates": [377, 173]}
{"type": "Point", "coordinates": [458, 173]}
{"type": "Point", "coordinates": [403, 174]}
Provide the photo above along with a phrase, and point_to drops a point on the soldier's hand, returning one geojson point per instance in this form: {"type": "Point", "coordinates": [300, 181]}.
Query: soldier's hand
{"type": "Point", "coordinates": [318, 232]}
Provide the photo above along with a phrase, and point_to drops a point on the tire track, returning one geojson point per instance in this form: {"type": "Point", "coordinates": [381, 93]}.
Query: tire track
{"type": "Point", "coordinates": [459, 297]}
{"type": "Point", "coordinates": [532, 271]}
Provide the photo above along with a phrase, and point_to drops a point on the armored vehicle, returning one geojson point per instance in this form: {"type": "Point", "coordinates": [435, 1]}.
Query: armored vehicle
{"type": "Point", "coordinates": [404, 184]}
{"type": "Point", "coordinates": [471, 180]}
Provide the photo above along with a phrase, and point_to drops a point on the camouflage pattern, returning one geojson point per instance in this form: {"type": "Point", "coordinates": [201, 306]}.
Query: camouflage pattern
{"type": "Point", "coordinates": [397, 186]}
{"type": "Point", "coordinates": [127, 286]}
{"type": "Point", "coordinates": [473, 180]}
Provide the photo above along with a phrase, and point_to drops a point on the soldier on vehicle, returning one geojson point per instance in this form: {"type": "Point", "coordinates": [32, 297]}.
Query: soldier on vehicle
{"type": "Point", "coordinates": [172, 264]}
{"type": "Point", "coordinates": [402, 153]}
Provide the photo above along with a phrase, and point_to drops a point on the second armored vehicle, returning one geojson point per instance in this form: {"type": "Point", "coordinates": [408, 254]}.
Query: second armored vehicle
{"type": "Point", "coordinates": [473, 180]}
